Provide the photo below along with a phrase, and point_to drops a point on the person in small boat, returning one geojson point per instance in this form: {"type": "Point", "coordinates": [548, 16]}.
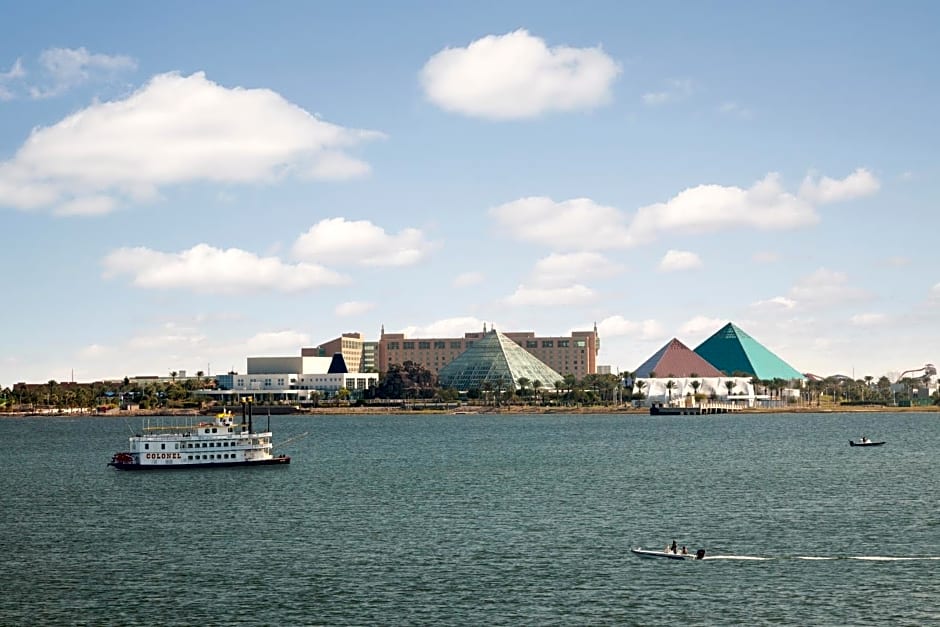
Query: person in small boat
{"type": "Point", "coordinates": [673, 547]}
{"type": "Point", "coordinates": [685, 551]}
{"type": "Point", "coordinates": [865, 440]}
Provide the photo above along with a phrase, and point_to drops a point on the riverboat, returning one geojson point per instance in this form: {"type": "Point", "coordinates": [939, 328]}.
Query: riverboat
{"type": "Point", "coordinates": [219, 443]}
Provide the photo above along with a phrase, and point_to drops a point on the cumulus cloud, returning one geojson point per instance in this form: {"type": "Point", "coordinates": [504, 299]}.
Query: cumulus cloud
{"type": "Point", "coordinates": [65, 68]}
{"type": "Point", "coordinates": [353, 308]}
{"type": "Point", "coordinates": [565, 269]}
{"type": "Point", "coordinates": [823, 190]}
{"type": "Point", "coordinates": [204, 268]}
{"type": "Point", "coordinates": [467, 279]}
{"type": "Point", "coordinates": [677, 89]}
{"type": "Point", "coordinates": [517, 75]}
{"type": "Point", "coordinates": [765, 206]}
{"type": "Point", "coordinates": [174, 130]}
{"type": "Point", "coordinates": [360, 242]}
{"type": "Point", "coordinates": [677, 260]}
{"type": "Point", "coordinates": [582, 224]}
{"type": "Point", "coordinates": [569, 295]}
{"type": "Point", "coordinates": [617, 326]}
{"type": "Point", "coordinates": [568, 225]}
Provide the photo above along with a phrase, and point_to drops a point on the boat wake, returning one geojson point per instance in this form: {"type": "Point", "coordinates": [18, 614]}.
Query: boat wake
{"type": "Point", "coordinates": [863, 558]}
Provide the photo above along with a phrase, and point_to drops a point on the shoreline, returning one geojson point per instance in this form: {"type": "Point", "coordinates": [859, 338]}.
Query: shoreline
{"type": "Point", "coordinates": [471, 410]}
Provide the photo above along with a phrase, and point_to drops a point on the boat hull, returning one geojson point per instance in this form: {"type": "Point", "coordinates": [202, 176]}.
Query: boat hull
{"type": "Point", "coordinates": [854, 443]}
{"type": "Point", "coordinates": [647, 554]}
{"type": "Point", "coordinates": [274, 461]}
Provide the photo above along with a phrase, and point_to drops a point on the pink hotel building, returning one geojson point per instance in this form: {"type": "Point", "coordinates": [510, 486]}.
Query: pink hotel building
{"type": "Point", "coordinates": [575, 354]}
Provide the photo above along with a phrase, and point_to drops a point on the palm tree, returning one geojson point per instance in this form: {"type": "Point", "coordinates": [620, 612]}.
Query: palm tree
{"type": "Point", "coordinates": [523, 385]}
{"type": "Point", "coordinates": [536, 387]}
{"type": "Point", "coordinates": [695, 386]}
{"type": "Point", "coordinates": [639, 387]}
{"type": "Point", "coordinates": [669, 387]}
{"type": "Point", "coordinates": [729, 384]}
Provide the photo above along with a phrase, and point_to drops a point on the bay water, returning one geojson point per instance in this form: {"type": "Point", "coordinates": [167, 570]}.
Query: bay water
{"type": "Point", "coordinates": [482, 520]}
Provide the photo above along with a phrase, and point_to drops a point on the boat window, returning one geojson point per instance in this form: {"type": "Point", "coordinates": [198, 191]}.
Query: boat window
{"type": "Point", "coordinates": [163, 446]}
{"type": "Point", "coordinates": [214, 430]}
{"type": "Point", "coordinates": [207, 431]}
{"type": "Point", "coordinates": [147, 446]}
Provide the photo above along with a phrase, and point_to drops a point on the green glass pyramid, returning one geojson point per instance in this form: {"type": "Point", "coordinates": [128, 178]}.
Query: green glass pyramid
{"type": "Point", "coordinates": [498, 360]}
{"type": "Point", "coordinates": [732, 350]}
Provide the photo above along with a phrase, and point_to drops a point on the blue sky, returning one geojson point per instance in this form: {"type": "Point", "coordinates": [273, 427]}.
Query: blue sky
{"type": "Point", "coordinates": [186, 184]}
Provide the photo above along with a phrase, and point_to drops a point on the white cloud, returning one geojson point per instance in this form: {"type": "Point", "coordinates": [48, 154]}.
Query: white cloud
{"type": "Point", "coordinates": [677, 89]}
{"type": "Point", "coordinates": [935, 290]}
{"type": "Point", "coordinates": [204, 268]}
{"type": "Point", "coordinates": [517, 75]}
{"type": "Point", "coordinates": [67, 67]}
{"type": "Point", "coordinates": [617, 326]}
{"type": "Point", "coordinates": [569, 225]}
{"type": "Point", "coordinates": [15, 72]}
{"type": "Point", "coordinates": [868, 319]}
{"type": "Point", "coordinates": [677, 260]}
{"type": "Point", "coordinates": [824, 288]}
{"type": "Point", "coordinates": [823, 190]}
{"type": "Point", "coordinates": [275, 341]}
{"type": "Point", "coordinates": [353, 308]}
{"type": "Point", "coordinates": [582, 224]}
{"type": "Point", "coordinates": [544, 296]}
{"type": "Point", "coordinates": [174, 130]}
{"type": "Point", "coordinates": [733, 108]}
{"type": "Point", "coordinates": [170, 335]}
{"type": "Point", "coordinates": [467, 279]}
{"type": "Point", "coordinates": [448, 327]}
{"type": "Point", "coordinates": [701, 325]}
{"type": "Point", "coordinates": [765, 205]}
{"type": "Point", "coordinates": [765, 257]}
{"type": "Point", "coordinates": [777, 302]}
{"type": "Point", "coordinates": [565, 269]}
{"type": "Point", "coordinates": [338, 240]}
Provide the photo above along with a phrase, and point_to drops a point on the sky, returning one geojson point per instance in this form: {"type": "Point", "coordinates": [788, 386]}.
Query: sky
{"type": "Point", "coordinates": [186, 184]}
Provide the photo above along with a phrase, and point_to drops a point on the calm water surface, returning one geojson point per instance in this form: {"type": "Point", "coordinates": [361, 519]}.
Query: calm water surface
{"type": "Point", "coordinates": [482, 520]}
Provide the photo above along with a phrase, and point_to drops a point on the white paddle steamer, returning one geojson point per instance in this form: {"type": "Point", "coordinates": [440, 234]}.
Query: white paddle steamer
{"type": "Point", "coordinates": [219, 443]}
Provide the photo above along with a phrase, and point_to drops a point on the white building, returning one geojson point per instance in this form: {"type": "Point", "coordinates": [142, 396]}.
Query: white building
{"type": "Point", "coordinates": [294, 379]}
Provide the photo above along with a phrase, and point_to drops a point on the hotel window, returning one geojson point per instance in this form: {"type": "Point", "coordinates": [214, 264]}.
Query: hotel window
{"type": "Point", "coordinates": [408, 345]}
{"type": "Point", "coordinates": [547, 344]}
{"type": "Point", "coordinates": [393, 346]}
{"type": "Point", "coordinates": [456, 345]}
{"type": "Point", "coordinates": [531, 344]}
{"type": "Point", "coordinates": [424, 345]}
{"type": "Point", "coordinates": [580, 344]}
{"type": "Point", "coordinates": [562, 343]}
{"type": "Point", "coordinates": [440, 344]}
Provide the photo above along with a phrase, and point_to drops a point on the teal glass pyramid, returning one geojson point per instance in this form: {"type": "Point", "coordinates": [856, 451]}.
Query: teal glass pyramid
{"type": "Point", "coordinates": [732, 350]}
{"type": "Point", "coordinates": [498, 360]}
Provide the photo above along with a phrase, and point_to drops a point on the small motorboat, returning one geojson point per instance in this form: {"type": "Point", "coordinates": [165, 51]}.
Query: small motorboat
{"type": "Point", "coordinates": [865, 442]}
{"type": "Point", "coordinates": [646, 553]}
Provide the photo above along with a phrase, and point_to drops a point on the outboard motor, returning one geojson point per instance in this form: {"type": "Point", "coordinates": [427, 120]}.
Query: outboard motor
{"type": "Point", "coordinates": [700, 554]}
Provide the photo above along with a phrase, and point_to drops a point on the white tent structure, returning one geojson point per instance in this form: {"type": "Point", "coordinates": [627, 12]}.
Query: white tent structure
{"type": "Point", "coordinates": [656, 390]}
